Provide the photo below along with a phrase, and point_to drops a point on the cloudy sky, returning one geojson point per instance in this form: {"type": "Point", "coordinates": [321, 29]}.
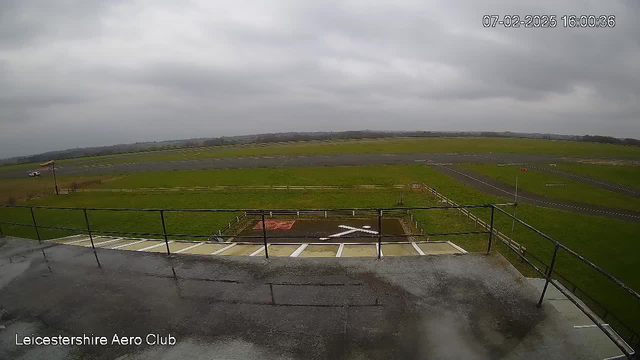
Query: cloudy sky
{"type": "Point", "coordinates": [88, 72]}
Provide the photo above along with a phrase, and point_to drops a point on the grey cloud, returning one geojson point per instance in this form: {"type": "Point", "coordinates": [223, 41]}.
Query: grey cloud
{"type": "Point", "coordinates": [96, 73]}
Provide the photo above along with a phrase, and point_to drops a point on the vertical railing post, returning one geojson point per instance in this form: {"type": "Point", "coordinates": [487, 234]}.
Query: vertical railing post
{"type": "Point", "coordinates": [164, 231]}
{"type": "Point", "coordinates": [1, 233]}
{"type": "Point", "coordinates": [35, 225]}
{"type": "Point", "coordinates": [549, 274]}
{"type": "Point", "coordinates": [264, 236]}
{"type": "Point", "coordinates": [86, 219]}
{"type": "Point", "coordinates": [491, 228]}
{"type": "Point", "coordinates": [379, 234]}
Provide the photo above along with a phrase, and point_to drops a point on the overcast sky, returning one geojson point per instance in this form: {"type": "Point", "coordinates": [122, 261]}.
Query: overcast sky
{"type": "Point", "coordinates": [89, 73]}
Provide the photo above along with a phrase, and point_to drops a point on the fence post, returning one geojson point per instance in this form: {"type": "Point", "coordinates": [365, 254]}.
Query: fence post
{"type": "Point", "coordinates": [379, 234]}
{"type": "Point", "coordinates": [1, 233]}
{"type": "Point", "coordinates": [491, 228]}
{"type": "Point", "coordinates": [264, 236]}
{"type": "Point", "coordinates": [164, 231]}
{"type": "Point", "coordinates": [86, 219]}
{"type": "Point", "coordinates": [35, 225]}
{"type": "Point", "coordinates": [549, 273]}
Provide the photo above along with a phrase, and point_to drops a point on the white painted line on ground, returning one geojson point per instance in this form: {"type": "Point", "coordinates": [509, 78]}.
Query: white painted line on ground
{"type": "Point", "coordinates": [415, 246]}
{"type": "Point", "coordinates": [259, 250]}
{"type": "Point", "coordinates": [107, 242]}
{"type": "Point", "coordinates": [153, 246]}
{"type": "Point", "coordinates": [223, 249]}
{"type": "Point", "coordinates": [357, 229]}
{"type": "Point", "coordinates": [188, 248]}
{"type": "Point", "coordinates": [133, 243]}
{"type": "Point", "coordinates": [64, 238]}
{"type": "Point", "coordinates": [617, 357]}
{"type": "Point", "coordinates": [457, 247]}
{"type": "Point", "coordinates": [75, 241]}
{"type": "Point", "coordinates": [587, 326]}
{"type": "Point", "coordinates": [299, 250]}
{"type": "Point", "coordinates": [343, 233]}
{"type": "Point", "coordinates": [339, 253]}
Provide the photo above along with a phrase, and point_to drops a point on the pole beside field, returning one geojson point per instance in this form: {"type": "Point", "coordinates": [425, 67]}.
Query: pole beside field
{"type": "Point", "coordinates": [264, 236]}
{"type": "Point", "coordinates": [379, 234]}
{"type": "Point", "coordinates": [95, 253]}
{"type": "Point", "coordinates": [35, 225]}
{"type": "Point", "coordinates": [549, 274]}
{"type": "Point", "coordinates": [55, 182]}
{"type": "Point", "coordinates": [491, 228]}
{"type": "Point", "coordinates": [164, 231]}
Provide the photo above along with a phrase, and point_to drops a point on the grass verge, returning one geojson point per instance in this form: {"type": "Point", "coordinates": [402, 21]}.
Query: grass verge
{"type": "Point", "coordinates": [557, 187]}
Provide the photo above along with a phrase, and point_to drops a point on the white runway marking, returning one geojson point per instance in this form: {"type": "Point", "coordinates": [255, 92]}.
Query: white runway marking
{"type": "Point", "coordinates": [154, 246]}
{"type": "Point", "coordinates": [188, 248]}
{"type": "Point", "coordinates": [135, 242]}
{"type": "Point", "coordinates": [75, 241]}
{"type": "Point", "coordinates": [350, 230]}
{"type": "Point", "coordinates": [415, 246]}
{"type": "Point", "coordinates": [299, 250]}
{"type": "Point", "coordinates": [340, 249]}
{"type": "Point", "coordinates": [107, 242]}
{"type": "Point", "coordinates": [223, 249]}
{"type": "Point", "coordinates": [258, 251]}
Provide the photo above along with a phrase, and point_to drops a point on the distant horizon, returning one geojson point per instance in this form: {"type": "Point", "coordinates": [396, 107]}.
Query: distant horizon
{"type": "Point", "coordinates": [365, 131]}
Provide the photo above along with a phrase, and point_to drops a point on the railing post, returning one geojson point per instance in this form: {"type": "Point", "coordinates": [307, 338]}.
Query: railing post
{"type": "Point", "coordinates": [264, 236]}
{"type": "Point", "coordinates": [549, 273]}
{"type": "Point", "coordinates": [1, 233]}
{"type": "Point", "coordinates": [491, 228]}
{"type": "Point", "coordinates": [86, 219]}
{"type": "Point", "coordinates": [164, 231]}
{"type": "Point", "coordinates": [35, 225]}
{"type": "Point", "coordinates": [379, 234]}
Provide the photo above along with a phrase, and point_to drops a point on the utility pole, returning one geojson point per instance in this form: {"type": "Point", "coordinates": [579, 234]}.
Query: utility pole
{"type": "Point", "coordinates": [55, 182]}
{"type": "Point", "coordinates": [513, 224]}
{"type": "Point", "coordinates": [53, 165]}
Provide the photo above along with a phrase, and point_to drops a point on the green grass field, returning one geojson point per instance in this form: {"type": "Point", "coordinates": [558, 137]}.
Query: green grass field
{"type": "Point", "coordinates": [535, 181]}
{"type": "Point", "coordinates": [339, 175]}
{"type": "Point", "coordinates": [607, 242]}
{"type": "Point", "coordinates": [625, 175]}
{"type": "Point", "coordinates": [389, 146]}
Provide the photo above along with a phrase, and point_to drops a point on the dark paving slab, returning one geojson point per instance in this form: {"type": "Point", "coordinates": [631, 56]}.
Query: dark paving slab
{"type": "Point", "coordinates": [423, 307]}
{"type": "Point", "coordinates": [494, 187]}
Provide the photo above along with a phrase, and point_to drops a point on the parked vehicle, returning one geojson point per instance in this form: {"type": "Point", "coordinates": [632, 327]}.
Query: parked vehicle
{"type": "Point", "coordinates": [34, 174]}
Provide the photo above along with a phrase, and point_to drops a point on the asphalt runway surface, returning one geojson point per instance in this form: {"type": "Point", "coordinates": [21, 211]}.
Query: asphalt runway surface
{"type": "Point", "coordinates": [494, 187]}
{"type": "Point", "coordinates": [289, 161]}
{"type": "Point", "coordinates": [472, 307]}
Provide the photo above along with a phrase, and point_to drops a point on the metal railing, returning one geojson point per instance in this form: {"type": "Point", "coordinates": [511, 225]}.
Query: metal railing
{"type": "Point", "coordinates": [379, 213]}
{"type": "Point", "coordinates": [627, 344]}
{"type": "Point", "coordinates": [262, 213]}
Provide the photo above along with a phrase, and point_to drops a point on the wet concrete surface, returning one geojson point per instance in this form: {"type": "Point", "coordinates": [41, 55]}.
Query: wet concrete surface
{"type": "Point", "coordinates": [494, 187]}
{"type": "Point", "coordinates": [290, 161]}
{"type": "Point", "coordinates": [427, 307]}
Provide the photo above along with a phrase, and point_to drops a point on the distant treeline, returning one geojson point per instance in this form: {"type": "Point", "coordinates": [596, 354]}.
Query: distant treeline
{"type": "Point", "coordinates": [291, 137]}
{"type": "Point", "coordinates": [610, 140]}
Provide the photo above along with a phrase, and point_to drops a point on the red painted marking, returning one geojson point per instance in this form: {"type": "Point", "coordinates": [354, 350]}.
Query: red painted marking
{"type": "Point", "coordinates": [275, 225]}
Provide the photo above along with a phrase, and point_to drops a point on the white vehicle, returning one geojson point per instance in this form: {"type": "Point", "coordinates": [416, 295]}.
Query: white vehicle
{"type": "Point", "coordinates": [34, 174]}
